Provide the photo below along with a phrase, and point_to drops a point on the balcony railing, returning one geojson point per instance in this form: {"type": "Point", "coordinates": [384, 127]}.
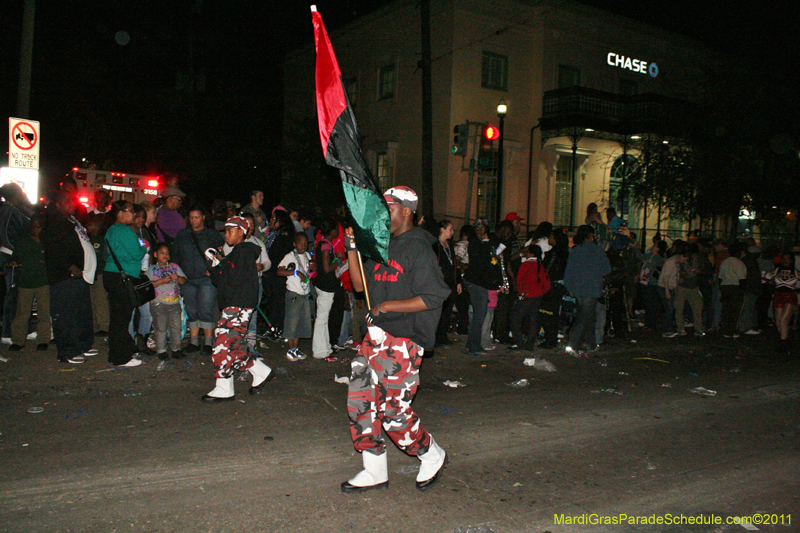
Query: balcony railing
{"type": "Point", "coordinates": [581, 107]}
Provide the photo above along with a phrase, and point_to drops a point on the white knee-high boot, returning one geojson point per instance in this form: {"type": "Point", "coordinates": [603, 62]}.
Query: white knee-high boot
{"type": "Point", "coordinates": [261, 374]}
{"type": "Point", "coordinates": [432, 463]}
{"type": "Point", "coordinates": [223, 392]}
{"type": "Point", "coordinates": [374, 476]}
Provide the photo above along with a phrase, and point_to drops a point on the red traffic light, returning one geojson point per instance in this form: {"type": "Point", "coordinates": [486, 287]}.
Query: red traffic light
{"type": "Point", "coordinates": [491, 133]}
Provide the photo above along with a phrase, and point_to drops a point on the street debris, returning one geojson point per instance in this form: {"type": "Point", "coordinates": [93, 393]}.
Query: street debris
{"type": "Point", "coordinates": [161, 366]}
{"type": "Point", "coordinates": [79, 413]}
{"type": "Point", "coordinates": [649, 359]}
{"type": "Point", "coordinates": [667, 385]}
{"type": "Point", "coordinates": [611, 390]}
{"type": "Point", "coordinates": [624, 374]}
{"type": "Point", "coordinates": [3, 359]}
{"type": "Point", "coordinates": [634, 341]}
{"type": "Point", "coordinates": [453, 384]}
{"type": "Point", "coordinates": [702, 391]}
{"type": "Point", "coordinates": [519, 383]}
{"type": "Point", "coordinates": [473, 529]}
{"type": "Point", "coordinates": [344, 379]}
{"type": "Point", "coordinates": [268, 438]}
{"type": "Point", "coordinates": [36, 410]}
{"type": "Point", "coordinates": [539, 364]}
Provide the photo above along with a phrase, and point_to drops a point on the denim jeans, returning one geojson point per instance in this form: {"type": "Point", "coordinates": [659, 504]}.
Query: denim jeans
{"type": "Point", "coordinates": [71, 312]}
{"type": "Point", "coordinates": [479, 299]}
{"type": "Point", "coordinates": [668, 309]}
{"type": "Point", "coordinates": [200, 299]}
{"type": "Point", "coordinates": [145, 321]}
{"type": "Point", "coordinates": [583, 330]}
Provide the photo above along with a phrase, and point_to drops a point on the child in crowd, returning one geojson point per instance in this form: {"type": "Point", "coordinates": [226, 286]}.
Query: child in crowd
{"type": "Point", "coordinates": [296, 267]}
{"type": "Point", "coordinates": [532, 284]}
{"type": "Point", "coordinates": [166, 307]}
{"type": "Point", "coordinates": [236, 278]}
{"type": "Point", "coordinates": [28, 256]}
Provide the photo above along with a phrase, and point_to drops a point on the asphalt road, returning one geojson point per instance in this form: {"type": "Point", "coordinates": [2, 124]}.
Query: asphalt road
{"type": "Point", "coordinates": [601, 438]}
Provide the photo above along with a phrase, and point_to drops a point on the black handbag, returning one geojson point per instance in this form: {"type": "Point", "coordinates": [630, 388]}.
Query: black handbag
{"type": "Point", "coordinates": [140, 290]}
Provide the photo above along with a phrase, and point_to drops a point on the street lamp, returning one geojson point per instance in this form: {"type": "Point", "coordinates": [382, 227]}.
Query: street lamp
{"type": "Point", "coordinates": [502, 109]}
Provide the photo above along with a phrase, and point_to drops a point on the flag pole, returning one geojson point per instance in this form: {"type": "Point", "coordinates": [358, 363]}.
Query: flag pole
{"type": "Point", "coordinates": [363, 280]}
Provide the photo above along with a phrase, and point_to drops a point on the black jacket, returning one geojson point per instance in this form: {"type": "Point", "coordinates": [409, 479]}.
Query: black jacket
{"type": "Point", "coordinates": [412, 271]}
{"type": "Point", "coordinates": [236, 277]}
{"type": "Point", "coordinates": [62, 246]}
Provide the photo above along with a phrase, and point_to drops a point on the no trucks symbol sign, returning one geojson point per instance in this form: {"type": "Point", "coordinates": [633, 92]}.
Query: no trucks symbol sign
{"type": "Point", "coordinates": [23, 143]}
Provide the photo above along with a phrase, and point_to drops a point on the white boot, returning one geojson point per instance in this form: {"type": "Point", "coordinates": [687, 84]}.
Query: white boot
{"type": "Point", "coordinates": [223, 392]}
{"type": "Point", "coordinates": [261, 374]}
{"type": "Point", "coordinates": [374, 476]}
{"type": "Point", "coordinates": [432, 463]}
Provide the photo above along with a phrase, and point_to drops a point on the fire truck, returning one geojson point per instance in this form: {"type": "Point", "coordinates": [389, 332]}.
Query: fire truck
{"type": "Point", "coordinates": [134, 188]}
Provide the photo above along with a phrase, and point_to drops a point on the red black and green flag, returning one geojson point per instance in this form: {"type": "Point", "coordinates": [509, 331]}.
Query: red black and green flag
{"type": "Point", "coordinates": [341, 146]}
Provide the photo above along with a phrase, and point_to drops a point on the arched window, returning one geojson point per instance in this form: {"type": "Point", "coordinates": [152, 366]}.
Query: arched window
{"type": "Point", "coordinates": [625, 172]}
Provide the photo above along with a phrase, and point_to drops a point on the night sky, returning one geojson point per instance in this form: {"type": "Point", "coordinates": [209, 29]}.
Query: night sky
{"type": "Point", "coordinates": [198, 91]}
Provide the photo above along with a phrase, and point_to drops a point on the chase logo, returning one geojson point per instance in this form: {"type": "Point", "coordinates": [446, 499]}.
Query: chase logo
{"type": "Point", "coordinates": [634, 65]}
{"type": "Point", "coordinates": [652, 70]}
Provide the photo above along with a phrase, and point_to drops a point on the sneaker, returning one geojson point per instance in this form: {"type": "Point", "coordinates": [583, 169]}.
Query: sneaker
{"type": "Point", "coordinates": [593, 349]}
{"type": "Point", "coordinates": [206, 349]}
{"type": "Point", "coordinates": [752, 332]}
{"type": "Point", "coordinates": [734, 336]}
{"type": "Point", "coordinates": [671, 334]}
{"type": "Point", "coordinates": [91, 353]}
{"type": "Point", "coordinates": [43, 347]}
{"type": "Point", "coordinates": [192, 348]}
{"type": "Point", "coordinates": [331, 359]}
{"type": "Point", "coordinates": [356, 346]}
{"type": "Point", "coordinates": [76, 360]}
{"type": "Point", "coordinates": [572, 352]}
{"type": "Point", "coordinates": [348, 343]}
{"type": "Point", "coordinates": [130, 364]}
{"type": "Point", "coordinates": [489, 349]}
{"type": "Point", "coordinates": [14, 348]}
{"type": "Point", "coordinates": [337, 347]}
{"type": "Point", "coordinates": [6, 340]}
{"type": "Point", "coordinates": [178, 355]}
{"type": "Point", "coordinates": [295, 355]}
{"type": "Point", "coordinates": [699, 334]}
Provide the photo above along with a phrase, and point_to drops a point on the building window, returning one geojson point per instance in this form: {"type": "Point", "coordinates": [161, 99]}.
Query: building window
{"type": "Point", "coordinates": [625, 172]}
{"type": "Point", "coordinates": [384, 170]}
{"type": "Point", "coordinates": [351, 87]}
{"type": "Point", "coordinates": [568, 76]}
{"type": "Point", "coordinates": [494, 71]}
{"type": "Point", "coordinates": [628, 87]}
{"type": "Point", "coordinates": [386, 82]}
{"type": "Point", "coordinates": [564, 186]}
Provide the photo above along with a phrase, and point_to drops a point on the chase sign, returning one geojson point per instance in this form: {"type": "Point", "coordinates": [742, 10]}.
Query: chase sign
{"type": "Point", "coordinates": [634, 65]}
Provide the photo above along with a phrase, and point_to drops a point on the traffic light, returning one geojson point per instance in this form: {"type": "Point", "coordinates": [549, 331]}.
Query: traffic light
{"type": "Point", "coordinates": [461, 140]}
{"type": "Point", "coordinates": [490, 133]}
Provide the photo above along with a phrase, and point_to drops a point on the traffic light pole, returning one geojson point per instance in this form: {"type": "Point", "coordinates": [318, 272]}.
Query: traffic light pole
{"type": "Point", "coordinates": [471, 168]}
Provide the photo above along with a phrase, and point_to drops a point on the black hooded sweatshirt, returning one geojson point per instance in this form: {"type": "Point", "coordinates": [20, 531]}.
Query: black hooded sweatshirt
{"type": "Point", "coordinates": [412, 270]}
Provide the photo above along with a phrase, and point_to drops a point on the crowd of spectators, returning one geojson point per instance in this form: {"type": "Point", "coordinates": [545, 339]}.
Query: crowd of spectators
{"type": "Point", "coordinates": [69, 262]}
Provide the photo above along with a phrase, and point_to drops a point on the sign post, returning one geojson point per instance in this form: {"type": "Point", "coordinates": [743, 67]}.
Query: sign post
{"type": "Point", "coordinates": [23, 143]}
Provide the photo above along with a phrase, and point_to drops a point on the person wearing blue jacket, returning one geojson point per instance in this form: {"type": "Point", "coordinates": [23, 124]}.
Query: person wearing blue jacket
{"type": "Point", "coordinates": [586, 268]}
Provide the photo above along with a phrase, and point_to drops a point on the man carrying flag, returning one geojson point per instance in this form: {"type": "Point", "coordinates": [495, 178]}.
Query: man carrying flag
{"type": "Point", "coordinates": [407, 293]}
{"type": "Point", "coordinates": [406, 287]}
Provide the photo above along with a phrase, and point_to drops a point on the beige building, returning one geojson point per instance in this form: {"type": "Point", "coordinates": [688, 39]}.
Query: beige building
{"type": "Point", "coordinates": [586, 90]}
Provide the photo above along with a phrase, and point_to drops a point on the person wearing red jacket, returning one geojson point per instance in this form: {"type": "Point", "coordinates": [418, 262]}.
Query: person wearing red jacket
{"type": "Point", "coordinates": [532, 283]}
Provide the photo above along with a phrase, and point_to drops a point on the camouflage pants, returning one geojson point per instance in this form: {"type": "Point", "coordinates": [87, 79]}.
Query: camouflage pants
{"type": "Point", "coordinates": [383, 382]}
{"type": "Point", "coordinates": [230, 348]}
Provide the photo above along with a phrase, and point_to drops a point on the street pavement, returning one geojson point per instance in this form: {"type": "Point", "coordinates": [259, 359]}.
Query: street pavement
{"type": "Point", "coordinates": [91, 448]}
